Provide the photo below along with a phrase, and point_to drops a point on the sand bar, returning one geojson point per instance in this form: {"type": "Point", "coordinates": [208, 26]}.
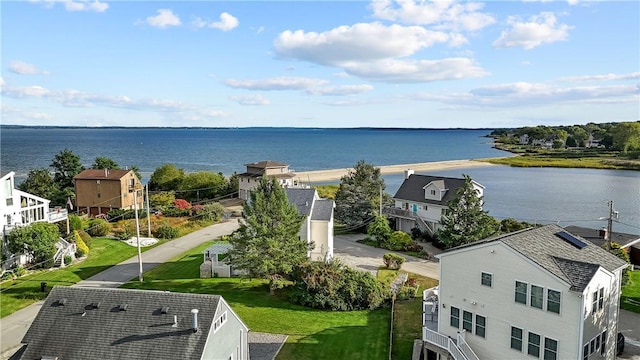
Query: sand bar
{"type": "Point", "coordinates": [335, 174]}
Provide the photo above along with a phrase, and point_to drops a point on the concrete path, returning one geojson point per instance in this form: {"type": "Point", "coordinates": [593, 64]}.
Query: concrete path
{"type": "Point", "coordinates": [15, 326]}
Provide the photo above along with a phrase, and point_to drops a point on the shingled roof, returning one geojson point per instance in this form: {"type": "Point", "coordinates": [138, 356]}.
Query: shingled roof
{"type": "Point", "coordinates": [302, 198]}
{"type": "Point", "coordinates": [97, 323]}
{"type": "Point", "coordinates": [545, 247]}
{"type": "Point", "coordinates": [266, 164]}
{"type": "Point", "coordinates": [322, 210]}
{"type": "Point", "coordinates": [101, 174]}
{"type": "Point", "coordinates": [412, 189]}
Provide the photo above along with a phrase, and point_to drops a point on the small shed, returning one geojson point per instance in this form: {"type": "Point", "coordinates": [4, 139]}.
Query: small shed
{"type": "Point", "coordinates": [211, 265]}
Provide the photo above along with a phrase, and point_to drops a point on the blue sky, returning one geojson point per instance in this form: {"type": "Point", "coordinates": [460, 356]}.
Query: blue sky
{"type": "Point", "coordinates": [406, 63]}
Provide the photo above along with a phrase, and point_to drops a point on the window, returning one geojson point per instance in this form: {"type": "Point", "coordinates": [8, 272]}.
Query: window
{"type": "Point", "coordinates": [467, 321]}
{"type": "Point", "coordinates": [550, 349]}
{"type": "Point", "coordinates": [455, 317]}
{"type": "Point", "coordinates": [481, 325]}
{"type": "Point", "coordinates": [534, 344]}
{"type": "Point", "coordinates": [553, 301]}
{"type": "Point", "coordinates": [98, 194]}
{"type": "Point", "coordinates": [516, 338]}
{"type": "Point", "coordinates": [597, 343]}
{"type": "Point", "coordinates": [521, 292]}
{"type": "Point", "coordinates": [592, 346]}
{"type": "Point", "coordinates": [601, 299]}
{"type": "Point", "coordinates": [536, 296]}
{"type": "Point", "coordinates": [585, 352]}
{"type": "Point", "coordinates": [603, 347]}
{"type": "Point", "coordinates": [487, 279]}
{"type": "Point", "coordinates": [220, 321]}
{"type": "Point", "coordinates": [594, 303]}
{"type": "Point", "coordinates": [433, 192]}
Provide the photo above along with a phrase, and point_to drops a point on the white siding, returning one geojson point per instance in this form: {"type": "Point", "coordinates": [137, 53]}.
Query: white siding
{"type": "Point", "coordinates": [323, 240]}
{"type": "Point", "coordinates": [603, 318]}
{"type": "Point", "coordinates": [460, 286]}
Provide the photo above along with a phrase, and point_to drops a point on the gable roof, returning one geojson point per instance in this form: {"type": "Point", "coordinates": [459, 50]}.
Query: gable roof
{"type": "Point", "coordinates": [412, 188]}
{"type": "Point", "coordinates": [266, 164]}
{"type": "Point", "coordinates": [77, 330]}
{"type": "Point", "coordinates": [593, 235]}
{"type": "Point", "coordinates": [302, 198]}
{"type": "Point", "coordinates": [99, 174]}
{"type": "Point", "coordinates": [322, 210]}
{"type": "Point", "coordinates": [542, 245]}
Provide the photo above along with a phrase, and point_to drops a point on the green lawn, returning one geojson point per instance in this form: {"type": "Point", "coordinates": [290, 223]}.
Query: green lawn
{"type": "Point", "coordinates": [104, 253]}
{"type": "Point", "coordinates": [313, 334]}
{"type": "Point", "coordinates": [630, 299]}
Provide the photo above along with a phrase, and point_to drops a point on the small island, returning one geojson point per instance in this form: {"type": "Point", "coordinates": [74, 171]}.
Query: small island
{"type": "Point", "coordinates": [596, 146]}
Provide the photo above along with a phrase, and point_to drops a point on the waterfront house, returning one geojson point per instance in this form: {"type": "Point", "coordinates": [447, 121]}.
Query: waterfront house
{"type": "Point", "coordinates": [101, 190]}
{"type": "Point", "coordinates": [539, 293]}
{"type": "Point", "coordinates": [19, 208]}
{"type": "Point", "coordinates": [524, 139]}
{"type": "Point", "coordinates": [317, 227]}
{"type": "Point", "coordinates": [628, 242]}
{"type": "Point", "coordinates": [248, 180]}
{"type": "Point", "coordinates": [79, 323]}
{"type": "Point", "coordinates": [421, 201]}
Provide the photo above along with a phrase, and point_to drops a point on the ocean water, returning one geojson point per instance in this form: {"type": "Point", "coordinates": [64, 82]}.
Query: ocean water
{"type": "Point", "coordinates": [541, 195]}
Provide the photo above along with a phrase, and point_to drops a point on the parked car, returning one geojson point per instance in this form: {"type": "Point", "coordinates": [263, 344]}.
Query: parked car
{"type": "Point", "coordinates": [620, 344]}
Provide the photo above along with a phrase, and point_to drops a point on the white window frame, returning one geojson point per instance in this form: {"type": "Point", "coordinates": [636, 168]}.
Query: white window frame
{"type": "Point", "coordinates": [521, 339]}
{"type": "Point", "coordinates": [541, 296]}
{"type": "Point", "coordinates": [483, 327]}
{"type": "Point", "coordinates": [526, 293]}
{"type": "Point", "coordinates": [482, 277]}
{"type": "Point", "coordinates": [529, 343]}
{"type": "Point", "coordinates": [220, 320]}
{"type": "Point", "coordinates": [545, 349]}
{"type": "Point", "coordinates": [559, 301]}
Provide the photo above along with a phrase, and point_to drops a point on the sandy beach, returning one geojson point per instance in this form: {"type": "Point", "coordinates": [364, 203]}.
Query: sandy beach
{"type": "Point", "coordinates": [336, 174]}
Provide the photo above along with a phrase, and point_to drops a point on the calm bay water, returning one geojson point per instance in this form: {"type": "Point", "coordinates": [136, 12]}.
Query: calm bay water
{"type": "Point", "coordinates": [567, 196]}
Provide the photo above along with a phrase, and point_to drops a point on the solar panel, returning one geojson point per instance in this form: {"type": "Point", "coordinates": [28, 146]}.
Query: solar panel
{"type": "Point", "coordinates": [571, 239]}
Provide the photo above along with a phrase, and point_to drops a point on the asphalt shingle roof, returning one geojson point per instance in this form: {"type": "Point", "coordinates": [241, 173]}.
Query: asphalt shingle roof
{"type": "Point", "coordinates": [412, 189]}
{"type": "Point", "coordinates": [593, 235]}
{"type": "Point", "coordinates": [77, 330]}
{"type": "Point", "coordinates": [302, 198]}
{"type": "Point", "coordinates": [322, 210]}
{"type": "Point", "coordinates": [543, 246]}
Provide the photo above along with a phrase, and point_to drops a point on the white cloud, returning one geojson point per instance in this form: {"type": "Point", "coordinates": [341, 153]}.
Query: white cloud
{"type": "Point", "coordinates": [413, 71]}
{"type": "Point", "coordinates": [227, 22]}
{"type": "Point", "coordinates": [277, 83]}
{"type": "Point", "coordinates": [251, 99]}
{"type": "Point", "coordinates": [603, 77]}
{"type": "Point", "coordinates": [540, 29]}
{"type": "Point", "coordinates": [23, 68]}
{"type": "Point", "coordinates": [165, 18]}
{"type": "Point", "coordinates": [78, 5]}
{"type": "Point", "coordinates": [444, 14]}
{"type": "Point", "coordinates": [570, 2]}
{"type": "Point", "coordinates": [340, 90]}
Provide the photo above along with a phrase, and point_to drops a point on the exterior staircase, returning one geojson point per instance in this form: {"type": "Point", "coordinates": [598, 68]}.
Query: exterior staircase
{"type": "Point", "coordinates": [407, 214]}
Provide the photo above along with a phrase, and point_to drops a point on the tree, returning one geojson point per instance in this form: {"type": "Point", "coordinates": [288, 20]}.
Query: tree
{"type": "Point", "coordinates": [618, 251]}
{"type": "Point", "coordinates": [464, 220]}
{"type": "Point", "coordinates": [66, 165]}
{"type": "Point", "coordinates": [38, 239]}
{"type": "Point", "coordinates": [203, 185]}
{"type": "Point", "coordinates": [379, 229]}
{"type": "Point", "coordinates": [104, 163]}
{"type": "Point", "coordinates": [267, 244]}
{"type": "Point", "coordinates": [39, 182]}
{"type": "Point", "coordinates": [626, 136]}
{"type": "Point", "coordinates": [358, 197]}
{"type": "Point", "coordinates": [166, 177]}
{"type": "Point", "coordinates": [580, 135]}
{"type": "Point", "coordinates": [162, 199]}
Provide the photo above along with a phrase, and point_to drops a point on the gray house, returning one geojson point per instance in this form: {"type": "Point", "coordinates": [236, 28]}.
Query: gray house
{"type": "Point", "coordinates": [97, 323]}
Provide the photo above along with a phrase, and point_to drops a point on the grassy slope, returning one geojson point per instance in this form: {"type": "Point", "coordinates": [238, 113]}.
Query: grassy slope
{"type": "Point", "coordinates": [313, 334]}
{"type": "Point", "coordinates": [631, 291]}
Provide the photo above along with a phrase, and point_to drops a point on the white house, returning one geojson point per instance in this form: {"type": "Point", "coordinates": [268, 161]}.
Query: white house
{"type": "Point", "coordinates": [19, 208]}
{"type": "Point", "coordinates": [318, 222]}
{"type": "Point", "coordinates": [249, 180]}
{"type": "Point", "coordinates": [537, 293]}
{"type": "Point", "coordinates": [421, 201]}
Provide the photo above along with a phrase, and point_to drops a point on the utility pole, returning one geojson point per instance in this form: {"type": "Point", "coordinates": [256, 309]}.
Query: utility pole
{"type": "Point", "coordinates": [148, 212]}
{"type": "Point", "coordinates": [135, 207]}
{"type": "Point", "coordinates": [609, 224]}
{"type": "Point", "coordinates": [380, 201]}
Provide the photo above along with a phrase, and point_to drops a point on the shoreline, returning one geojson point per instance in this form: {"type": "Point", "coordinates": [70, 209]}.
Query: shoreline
{"type": "Point", "coordinates": [317, 176]}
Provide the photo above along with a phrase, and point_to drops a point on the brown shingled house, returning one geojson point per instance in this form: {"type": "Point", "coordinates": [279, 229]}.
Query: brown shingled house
{"type": "Point", "coordinates": [101, 190]}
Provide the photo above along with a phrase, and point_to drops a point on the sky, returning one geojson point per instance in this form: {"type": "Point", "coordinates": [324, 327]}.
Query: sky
{"type": "Point", "coordinates": [325, 64]}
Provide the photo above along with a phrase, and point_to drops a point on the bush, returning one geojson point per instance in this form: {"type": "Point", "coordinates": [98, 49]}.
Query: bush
{"type": "Point", "coordinates": [393, 261]}
{"type": "Point", "coordinates": [181, 204]}
{"type": "Point", "coordinates": [209, 212]}
{"type": "Point", "coordinates": [332, 285]}
{"type": "Point", "coordinates": [166, 232]}
{"type": "Point", "coordinates": [414, 247]}
{"type": "Point", "coordinates": [85, 237]}
{"type": "Point", "coordinates": [68, 259]}
{"type": "Point", "coordinates": [75, 222]}
{"type": "Point", "coordinates": [175, 212]}
{"type": "Point", "coordinates": [98, 227]}
{"type": "Point", "coordinates": [81, 248]}
{"type": "Point", "coordinates": [416, 234]}
{"type": "Point", "coordinates": [407, 292]}
{"type": "Point", "coordinates": [398, 241]}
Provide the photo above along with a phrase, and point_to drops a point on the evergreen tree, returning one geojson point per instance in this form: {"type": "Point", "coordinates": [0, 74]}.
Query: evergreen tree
{"type": "Point", "coordinates": [465, 221]}
{"type": "Point", "coordinates": [267, 244]}
{"type": "Point", "coordinates": [379, 230]}
{"type": "Point", "coordinates": [104, 163]}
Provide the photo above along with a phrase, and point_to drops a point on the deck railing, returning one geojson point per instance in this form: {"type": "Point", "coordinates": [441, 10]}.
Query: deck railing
{"type": "Point", "coordinates": [393, 211]}
{"type": "Point", "coordinates": [444, 342]}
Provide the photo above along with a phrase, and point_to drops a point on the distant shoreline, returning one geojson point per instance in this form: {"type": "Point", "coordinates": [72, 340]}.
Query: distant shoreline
{"type": "Point", "coordinates": [9, 126]}
{"type": "Point", "coordinates": [318, 176]}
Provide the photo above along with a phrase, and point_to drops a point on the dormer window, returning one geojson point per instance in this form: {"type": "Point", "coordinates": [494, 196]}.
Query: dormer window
{"type": "Point", "coordinates": [433, 192]}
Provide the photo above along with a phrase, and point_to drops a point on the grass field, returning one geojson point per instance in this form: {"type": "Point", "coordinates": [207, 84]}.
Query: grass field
{"type": "Point", "coordinates": [104, 253]}
{"type": "Point", "coordinates": [630, 298]}
{"type": "Point", "coordinates": [313, 334]}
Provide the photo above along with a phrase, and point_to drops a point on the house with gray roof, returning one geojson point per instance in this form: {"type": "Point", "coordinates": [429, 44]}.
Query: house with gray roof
{"type": "Point", "coordinates": [99, 323]}
{"type": "Point", "coordinates": [318, 220]}
{"type": "Point", "coordinates": [628, 242]}
{"type": "Point", "coordinates": [421, 201]}
{"type": "Point", "coordinates": [536, 293]}
{"type": "Point", "coordinates": [248, 180]}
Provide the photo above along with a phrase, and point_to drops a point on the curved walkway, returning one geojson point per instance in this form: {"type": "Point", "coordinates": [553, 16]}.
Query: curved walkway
{"type": "Point", "coordinates": [15, 326]}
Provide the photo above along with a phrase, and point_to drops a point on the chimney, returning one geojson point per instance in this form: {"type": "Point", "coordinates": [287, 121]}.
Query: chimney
{"type": "Point", "coordinates": [106, 172]}
{"type": "Point", "coordinates": [194, 316]}
{"type": "Point", "coordinates": [407, 173]}
{"type": "Point", "coordinates": [602, 233]}
{"type": "Point", "coordinates": [175, 321]}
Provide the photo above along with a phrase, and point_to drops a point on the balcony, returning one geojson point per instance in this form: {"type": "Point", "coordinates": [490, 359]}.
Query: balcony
{"type": "Point", "coordinates": [57, 214]}
{"type": "Point", "coordinates": [407, 214]}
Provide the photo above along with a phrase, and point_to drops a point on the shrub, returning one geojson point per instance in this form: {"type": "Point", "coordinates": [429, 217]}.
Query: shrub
{"type": "Point", "coordinates": [85, 237]}
{"type": "Point", "coordinates": [416, 234]}
{"type": "Point", "coordinates": [175, 212]}
{"type": "Point", "coordinates": [81, 248]}
{"type": "Point", "coordinates": [19, 271]}
{"type": "Point", "coordinates": [75, 222]}
{"type": "Point", "coordinates": [209, 212]}
{"type": "Point", "coordinates": [379, 230]}
{"type": "Point", "coordinates": [414, 247]}
{"type": "Point", "coordinates": [181, 204]}
{"type": "Point", "coordinates": [332, 285]}
{"type": "Point", "coordinates": [393, 261]}
{"type": "Point", "coordinates": [407, 292]}
{"type": "Point", "coordinates": [68, 259]}
{"type": "Point", "coordinates": [166, 232]}
{"type": "Point", "coordinates": [398, 241]}
{"type": "Point", "coordinates": [98, 227]}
